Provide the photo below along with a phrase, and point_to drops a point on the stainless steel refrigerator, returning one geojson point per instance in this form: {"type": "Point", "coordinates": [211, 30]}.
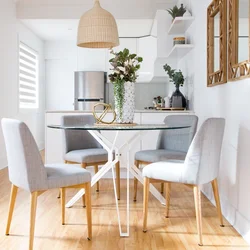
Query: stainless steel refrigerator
{"type": "Point", "coordinates": [90, 88]}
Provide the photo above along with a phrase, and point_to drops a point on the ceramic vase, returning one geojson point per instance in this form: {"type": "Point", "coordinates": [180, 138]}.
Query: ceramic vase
{"type": "Point", "coordinates": [124, 97]}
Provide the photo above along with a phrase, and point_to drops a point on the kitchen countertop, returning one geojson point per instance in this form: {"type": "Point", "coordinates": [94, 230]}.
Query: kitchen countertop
{"type": "Point", "coordinates": [136, 111]}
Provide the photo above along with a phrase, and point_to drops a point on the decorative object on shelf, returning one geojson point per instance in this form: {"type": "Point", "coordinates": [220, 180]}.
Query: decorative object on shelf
{"type": "Point", "coordinates": [97, 29]}
{"type": "Point", "coordinates": [177, 99]}
{"type": "Point", "coordinates": [124, 76]}
{"type": "Point", "coordinates": [187, 13]}
{"type": "Point", "coordinates": [107, 108]}
{"type": "Point", "coordinates": [176, 12]}
{"type": "Point", "coordinates": [158, 101]}
{"type": "Point", "coordinates": [179, 40]}
{"type": "Point", "coordinates": [167, 102]}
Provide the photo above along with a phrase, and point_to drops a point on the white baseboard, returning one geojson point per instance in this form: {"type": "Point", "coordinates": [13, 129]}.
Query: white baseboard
{"type": "Point", "coordinates": [233, 216]}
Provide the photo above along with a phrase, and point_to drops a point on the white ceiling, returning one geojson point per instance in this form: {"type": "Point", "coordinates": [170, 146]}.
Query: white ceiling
{"type": "Point", "coordinates": [66, 29]}
{"type": "Point", "coordinates": [73, 9]}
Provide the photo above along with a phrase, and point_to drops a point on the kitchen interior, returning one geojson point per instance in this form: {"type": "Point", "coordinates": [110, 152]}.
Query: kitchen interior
{"type": "Point", "coordinates": [149, 38]}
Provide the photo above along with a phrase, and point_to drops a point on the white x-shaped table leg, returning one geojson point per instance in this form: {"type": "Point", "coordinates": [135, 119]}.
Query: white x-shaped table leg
{"type": "Point", "coordinates": [111, 148]}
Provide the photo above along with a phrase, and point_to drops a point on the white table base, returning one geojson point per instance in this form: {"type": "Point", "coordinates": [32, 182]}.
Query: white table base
{"type": "Point", "coordinates": [111, 147]}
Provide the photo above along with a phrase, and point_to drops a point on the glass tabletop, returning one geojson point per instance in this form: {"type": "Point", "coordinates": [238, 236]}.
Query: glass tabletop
{"type": "Point", "coordinates": [115, 127]}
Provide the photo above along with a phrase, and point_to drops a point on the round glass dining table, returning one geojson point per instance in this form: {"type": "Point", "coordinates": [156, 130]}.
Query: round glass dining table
{"type": "Point", "coordinates": [114, 154]}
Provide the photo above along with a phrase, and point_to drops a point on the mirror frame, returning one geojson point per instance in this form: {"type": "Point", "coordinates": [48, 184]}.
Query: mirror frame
{"type": "Point", "coordinates": [220, 76]}
{"type": "Point", "coordinates": [236, 70]}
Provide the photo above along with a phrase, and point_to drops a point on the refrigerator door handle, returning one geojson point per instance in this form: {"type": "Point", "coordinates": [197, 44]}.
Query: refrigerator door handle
{"type": "Point", "coordinates": [90, 99]}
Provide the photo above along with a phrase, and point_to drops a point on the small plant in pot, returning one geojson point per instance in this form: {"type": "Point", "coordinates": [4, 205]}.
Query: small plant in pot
{"type": "Point", "coordinates": [175, 11]}
{"type": "Point", "coordinates": [177, 99]}
{"type": "Point", "coordinates": [124, 75]}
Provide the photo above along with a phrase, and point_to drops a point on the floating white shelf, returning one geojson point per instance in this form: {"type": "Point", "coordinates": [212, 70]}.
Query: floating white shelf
{"type": "Point", "coordinates": [180, 50]}
{"type": "Point", "coordinates": [180, 25]}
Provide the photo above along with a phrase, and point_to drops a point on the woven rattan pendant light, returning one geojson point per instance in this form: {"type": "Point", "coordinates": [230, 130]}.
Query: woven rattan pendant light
{"type": "Point", "coordinates": [97, 29]}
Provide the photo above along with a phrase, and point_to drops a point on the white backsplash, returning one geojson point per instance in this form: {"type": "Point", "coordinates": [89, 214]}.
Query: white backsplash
{"type": "Point", "coordinates": [144, 93]}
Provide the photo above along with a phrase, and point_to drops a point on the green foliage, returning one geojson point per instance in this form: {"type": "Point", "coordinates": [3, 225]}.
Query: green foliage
{"type": "Point", "coordinates": [175, 11]}
{"type": "Point", "coordinates": [175, 76]}
{"type": "Point", "coordinates": [119, 97]}
{"type": "Point", "coordinates": [125, 66]}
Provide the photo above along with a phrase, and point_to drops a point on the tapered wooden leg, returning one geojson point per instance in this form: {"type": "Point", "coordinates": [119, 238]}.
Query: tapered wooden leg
{"type": "Point", "coordinates": [197, 200]}
{"type": "Point", "coordinates": [145, 203]}
{"type": "Point", "coordinates": [11, 207]}
{"type": "Point", "coordinates": [33, 205]}
{"type": "Point", "coordinates": [162, 188]}
{"type": "Point", "coordinates": [168, 191]}
{"type": "Point", "coordinates": [137, 164]}
{"type": "Point", "coordinates": [88, 209]}
{"type": "Point", "coordinates": [217, 200]}
{"type": "Point", "coordinates": [97, 184]}
{"type": "Point", "coordinates": [84, 165]}
{"type": "Point", "coordinates": [63, 204]}
{"type": "Point", "coordinates": [59, 194]}
{"type": "Point", "coordinates": [118, 185]}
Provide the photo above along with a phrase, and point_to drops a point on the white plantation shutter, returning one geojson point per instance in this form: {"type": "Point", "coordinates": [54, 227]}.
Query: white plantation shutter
{"type": "Point", "coordinates": [28, 77]}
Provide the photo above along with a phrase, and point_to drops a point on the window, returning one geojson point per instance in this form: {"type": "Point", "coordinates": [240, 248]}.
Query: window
{"type": "Point", "coordinates": [28, 77]}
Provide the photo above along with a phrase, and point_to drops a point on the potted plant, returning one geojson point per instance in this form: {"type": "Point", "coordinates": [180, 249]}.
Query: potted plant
{"type": "Point", "coordinates": [124, 75]}
{"type": "Point", "coordinates": [175, 11]}
{"type": "Point", "coordinates": [177, 99]}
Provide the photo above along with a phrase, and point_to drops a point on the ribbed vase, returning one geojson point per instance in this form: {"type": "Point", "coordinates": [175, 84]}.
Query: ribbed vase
{"type": "Point", "coordinates": [125, 110]}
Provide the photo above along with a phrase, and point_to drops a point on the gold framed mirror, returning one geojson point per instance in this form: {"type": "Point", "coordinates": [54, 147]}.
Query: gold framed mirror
{"type": "Point", "coordinates": [239, 41]}
{"type": "Point", "coordinates": [217, 43]}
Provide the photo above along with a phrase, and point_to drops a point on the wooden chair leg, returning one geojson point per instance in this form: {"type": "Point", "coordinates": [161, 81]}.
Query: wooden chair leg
{"type": "Point", "coordinates": [217, 200]}
{"type": "Point", "coordinates": [97, 184]}
{"type": "Point", "coordinates": [84, 165]}
{"type": "Point", "coordinates": [88, 209]}
{"type": "Point", "coordinates": [145, 203]}
{"type": "Point", "coordinates": [162, 188]}
{"type": "Point", "coordinates": [59, 194]}
{"type": "Point", "coordinates": [63, 204]}
{"type": "Point", "coordinates": [33, 205]}
{"type": "Point", "coordinates": [118, 185]}
{"type": "Point", "coordinates": [168, 191]}
{"type": "Point", "coordinates": [13, 195]}
{"type": "Point", "coordinates": [197, 200]}
{"type": "Point", "coordinates": [137, 164]}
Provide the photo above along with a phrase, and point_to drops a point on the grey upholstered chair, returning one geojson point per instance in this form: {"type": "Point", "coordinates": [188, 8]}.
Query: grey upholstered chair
{"type": "Point", "coordinates": [172, 144]}
{"type": "Point", "coordinates": [26, 171]}
{"type": "Point", "coordinates": [201, 166]}
{"type": "Point", "coordinates": [79, 146]}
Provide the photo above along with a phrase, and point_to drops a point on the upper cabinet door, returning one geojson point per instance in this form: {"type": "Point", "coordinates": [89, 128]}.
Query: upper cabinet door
{"type": "Point", "coordinates": [91, 59]}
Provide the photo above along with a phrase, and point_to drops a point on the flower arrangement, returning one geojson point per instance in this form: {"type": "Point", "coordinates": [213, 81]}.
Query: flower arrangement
{"type": "Point", "coordinates": [175, 76]}
{"type": "Point", "coordinates": [124, 67]}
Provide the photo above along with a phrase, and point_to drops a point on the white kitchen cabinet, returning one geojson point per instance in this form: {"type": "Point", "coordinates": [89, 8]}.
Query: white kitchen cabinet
{"type": "Point", "coordinates": [92, 59]}
{"type": "Point", "coordinates": [147, 49]}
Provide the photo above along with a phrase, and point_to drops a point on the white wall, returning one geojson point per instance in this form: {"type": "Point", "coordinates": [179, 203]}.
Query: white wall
{"type": "Point", "coordinates": [232, 102]}
{"type": "Point", "coordinates": [11, 32]}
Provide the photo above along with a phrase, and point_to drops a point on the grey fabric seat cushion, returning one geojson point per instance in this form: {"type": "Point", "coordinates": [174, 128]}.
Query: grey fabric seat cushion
{"type": "Point", "coordinates": [62, 175]}
{"type": "Point", "coordinates": [167, 171]}
{"type": "Point", "coordinates": [159, 155]}
{"type": "Point", "coordinates": [90, 155]}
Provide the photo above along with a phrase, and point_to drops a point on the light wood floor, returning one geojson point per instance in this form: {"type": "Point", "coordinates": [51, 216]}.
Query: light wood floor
{"type": "Point", "coordinates": [177, 232]}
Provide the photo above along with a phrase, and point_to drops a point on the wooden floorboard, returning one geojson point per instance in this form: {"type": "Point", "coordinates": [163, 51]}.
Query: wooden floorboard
{"type": "Point", "coordinates": [176, 232]}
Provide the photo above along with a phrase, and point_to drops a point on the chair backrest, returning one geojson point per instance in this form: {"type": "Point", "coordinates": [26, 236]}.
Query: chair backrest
{"type": "Point", "coordinates": [78, 139]}
{"type": "Point", "coordinates": [26, 169]}
{"type": "Point", "coordinates": [180, 139]}
{"type": "Point", "coordinates": [203, 158]}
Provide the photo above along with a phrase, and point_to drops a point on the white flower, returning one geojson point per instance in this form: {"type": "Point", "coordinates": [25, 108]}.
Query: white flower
{"type": "Point", "coordinates": [126, 63]}
{"type": "Point", "coordinates": [130, 62]}
{"type": "Point", "coordinates": [117, 71]}
{"type": "Point", "coordinates": [122, 76]}
{"type": "Point", "coordinates": [121, 69]}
